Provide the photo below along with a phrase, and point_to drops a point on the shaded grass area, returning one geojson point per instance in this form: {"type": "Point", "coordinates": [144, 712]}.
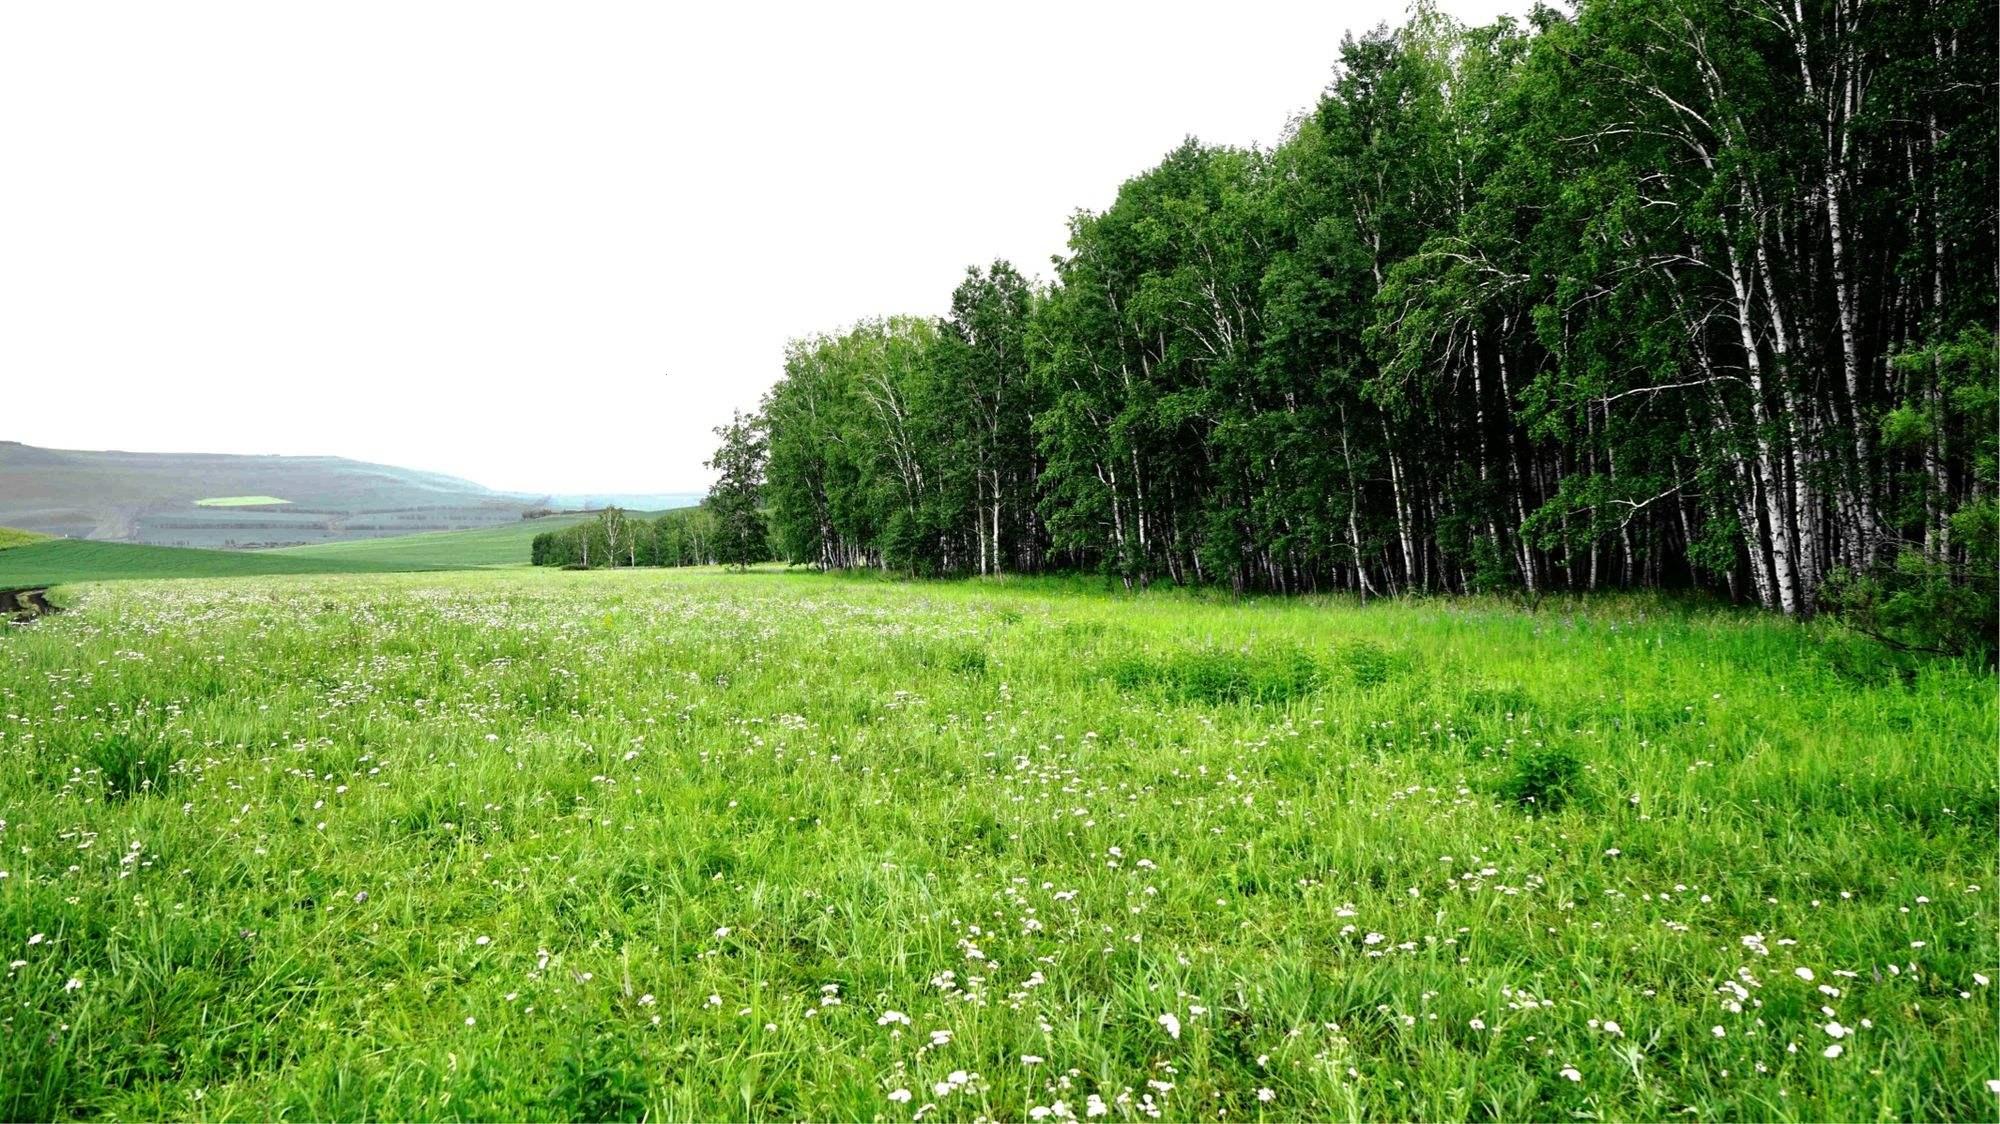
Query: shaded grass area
{"type": "Point", "coordinates": [531, 844]}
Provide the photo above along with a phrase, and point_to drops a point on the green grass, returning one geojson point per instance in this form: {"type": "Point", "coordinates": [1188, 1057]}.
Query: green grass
{"type": "Point", "coordinates": [536, 845]}
{"type": "Point", "coordinates": [11, 537]}
{"type": "Point", "coordinates": [43, 561]}
{"type": "Point", "coordinates": [57, 561]}
{"type": "Point", "coordinates": [239, 501]}
{"type": "Point", "coordinates": [482, 547]}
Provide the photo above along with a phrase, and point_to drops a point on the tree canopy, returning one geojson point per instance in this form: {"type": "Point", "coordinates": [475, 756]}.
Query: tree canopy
{"type": "Point", "coordinates": [1656, 293]}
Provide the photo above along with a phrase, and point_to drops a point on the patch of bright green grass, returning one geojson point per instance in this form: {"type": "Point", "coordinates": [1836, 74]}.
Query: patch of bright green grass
{"type": "Point", "coordinates": [239, 501]}
{"type": "Point", "coordinates": [479, 548]}
{"type": "Point", "coordinates": [692, 845]}
{"type": "Point", "coordinates": [11, 537]}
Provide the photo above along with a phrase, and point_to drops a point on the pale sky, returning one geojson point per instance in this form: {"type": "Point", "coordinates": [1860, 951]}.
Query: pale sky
{"type": "Point", "coordinates": [548, 246]}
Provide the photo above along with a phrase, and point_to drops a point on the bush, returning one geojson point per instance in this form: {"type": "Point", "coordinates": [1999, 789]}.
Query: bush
{"type": "Point", "coordinates": [1543, 779]}
{"type": "Point", "coordinates": [1918, 605]}
{"type": "Point", "coordinates": [1216, 675]}
{"type": "Point", "coordinates": [1369, 665]}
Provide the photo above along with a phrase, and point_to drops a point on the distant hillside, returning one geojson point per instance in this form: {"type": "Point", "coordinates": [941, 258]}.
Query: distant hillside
{"type": "Point", "coordinates": [56, 561]}
{"type": "Point", "coordinates": [507, 545]}
{"type": "Point", "coordinates": [251, 501]}
{"type": "Point", "coordinates": [29, 560]}
{"type": "Point", "coordinates": [14, 536]}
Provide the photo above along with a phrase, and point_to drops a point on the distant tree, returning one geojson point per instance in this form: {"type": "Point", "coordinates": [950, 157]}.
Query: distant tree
{"type": "Point", "coordinates": [737, 498]}
{"type": "Point", "coordinates": [982, 366]}
{"type": "Point", "coordinates": [617, 533]}
{"type": "Point", "coordinates": [683, 537]}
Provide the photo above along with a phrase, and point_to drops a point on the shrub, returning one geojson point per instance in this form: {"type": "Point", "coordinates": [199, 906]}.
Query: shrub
{"type": "Point", "coordinates": [1543, 778]}
{"type": "Point", "coordinates": [1918, 605]}
{"type": "Point", "coordinates": [1369, 665]}
{"type": "Point", "coordinates": [1218, 675]}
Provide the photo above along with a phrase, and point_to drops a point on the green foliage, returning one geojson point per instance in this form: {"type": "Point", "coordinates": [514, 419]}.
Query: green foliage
{"type": "Point", "coordinates": [130, 765]}
{"type": "Point", "coordinates": [737, 500]}
{"type": "Point", "coordinates": [1369, 664]}
{"type": "Point", "coordinates": [905, 443]}
{"type": "Point", "coordinates": [1940, 594]}
{"type": "Point", "coordinates": [1917, 604]}
{"type": "Point", "coordinates": [510, 544]}
{"type": "Point", "coordinates": [603, 1078]}
{"type": "Point", "coordinates": [1217, 676]}
{"type": "Point", "coordinates": [1586, 300]}
{"type": "Point", "coordinates": [681, 537]}
{"type": "Point", "coordinates": [1542, 778]}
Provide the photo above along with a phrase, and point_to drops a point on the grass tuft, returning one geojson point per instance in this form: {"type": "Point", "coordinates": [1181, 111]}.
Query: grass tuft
{"type": "Point", "coordinates": [131, 765]}
{"type": "Point", "coordinates": [1542, 779]}
{"type": "Point", "coordinates": [1218, 676]}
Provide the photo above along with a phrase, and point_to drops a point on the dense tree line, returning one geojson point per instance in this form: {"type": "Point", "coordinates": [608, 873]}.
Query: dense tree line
{"type": "Point", "coordinates": [1659, 293]}
{"type": "Point", "coordinates": [691, 536]}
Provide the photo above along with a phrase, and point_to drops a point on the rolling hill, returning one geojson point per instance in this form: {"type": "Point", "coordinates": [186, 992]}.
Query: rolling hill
{"type": "Point", "coordinates": [28, 559]}
{"type": "Point", "coordinates": [57, 561]}
{"type": "Point", "coordinates": [455, 550]}
{"type": "Point", "coordinates": [223, 500]}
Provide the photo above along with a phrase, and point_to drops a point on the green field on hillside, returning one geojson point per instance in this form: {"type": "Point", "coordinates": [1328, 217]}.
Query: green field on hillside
{"type": "Point", "coordinates": [12, 537]}
{"type": "Point", "coordinates": [239, 501]}
{"type": "Point", "coordinates": [38, 560]}
{"type": "Point", "coordinates": [483, 547]}
{"type": "Point", "coordinates": [224, 500]}
{"type": "Point", "coordinates": [219, 500]}
{"type": "Point", "coordinates": [56, 561]}
{"type": "Point", "coordinates": [529, 844]}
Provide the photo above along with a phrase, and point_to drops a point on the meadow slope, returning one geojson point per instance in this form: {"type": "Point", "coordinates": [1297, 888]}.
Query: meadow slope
{"type": "Point", "coordinates": [11, 537]}
{"type": "Point", "coordinates": [507, 545]}
{"type": "Point", "coordinates": [532, 844]}
{"type": "Point", "coordinates": [55, 561]}
{"type": "Point", "coordinates": [210, 500]}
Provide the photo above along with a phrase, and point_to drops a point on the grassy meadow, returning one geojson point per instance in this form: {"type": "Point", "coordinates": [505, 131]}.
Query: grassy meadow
{"type": "Point", "coordinates": [29, 559]}
{"type": "Point", "coordinates": [506, 545]}
{"type": "Point", "coordinates": [694, 845]}
{"type": "Point", "coordinates": [54, 561]}
{"type": "Point", "coordinates": [11, 537]}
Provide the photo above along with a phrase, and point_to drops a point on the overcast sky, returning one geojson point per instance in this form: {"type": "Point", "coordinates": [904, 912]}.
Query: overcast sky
{"type": "Point", "coordinates": [548, 246]}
